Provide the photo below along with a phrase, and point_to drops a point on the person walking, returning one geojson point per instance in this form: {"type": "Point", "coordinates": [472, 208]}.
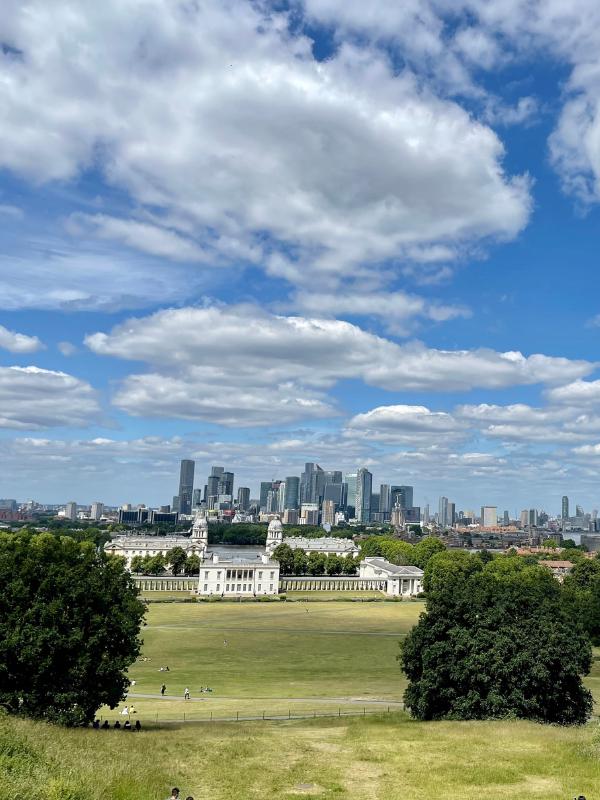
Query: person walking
{"type": "Point", "coordinates": [163, 689]}
{"type": "Point", "coordinates": [186, 694]}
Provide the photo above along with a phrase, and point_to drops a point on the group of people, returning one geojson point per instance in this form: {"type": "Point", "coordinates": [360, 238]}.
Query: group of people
{"type": "Point", "coordinates": [175, 795]}
{"type": "Point", "coordinates": [126, 726]}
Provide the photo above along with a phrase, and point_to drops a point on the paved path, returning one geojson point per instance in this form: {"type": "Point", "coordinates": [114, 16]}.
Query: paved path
{"type": "Point", "coordinates": [314, 700]}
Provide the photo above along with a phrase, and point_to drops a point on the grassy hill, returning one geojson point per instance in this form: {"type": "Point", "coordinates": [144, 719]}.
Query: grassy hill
{"type": "Point", "coordinates": [281, 657]}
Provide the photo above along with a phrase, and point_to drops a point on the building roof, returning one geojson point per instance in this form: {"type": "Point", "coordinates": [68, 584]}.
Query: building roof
{"type": "Point", "coordinates": [557, 564]}
{"type": "Point", "coordinates": [157, 542]}
{"type": "Point", "coordinates": [323, 544]}
{"type": "Point", "coordinates": [394, 570]}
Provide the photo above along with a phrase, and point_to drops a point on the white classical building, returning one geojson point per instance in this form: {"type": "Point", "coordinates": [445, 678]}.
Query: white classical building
{"type": "Point", "coordinates": [328, 545]}
{"type": "Point", "coordinates": [401, 581]}
{"type": "Point", "coordinates": [130, 546]}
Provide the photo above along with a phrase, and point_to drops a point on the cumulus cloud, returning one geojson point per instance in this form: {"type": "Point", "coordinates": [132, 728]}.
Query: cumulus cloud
{"type": "Point", "coordinates": [204, 357]}
{"type": "Point", "coordinates": [399, 312]}
{"type": "Point", "coordinates": [578, 393]}
{"type": "Point", "coordinates": [18, 342]}
{"type": "Point", "coordinates": [407, 425]}
{"type": "Point", "coordinates": [33, 398]}
{"type": "Point", "coordinates": [339, 162]}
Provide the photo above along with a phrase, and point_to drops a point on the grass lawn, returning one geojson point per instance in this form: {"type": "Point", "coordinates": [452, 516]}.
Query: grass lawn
{"type": "Point", "coordinates": [279, 658]}
{"type": "Point", "coordinates": [385, 758]}
{"type": "Point", "coordinates": [302, 658]}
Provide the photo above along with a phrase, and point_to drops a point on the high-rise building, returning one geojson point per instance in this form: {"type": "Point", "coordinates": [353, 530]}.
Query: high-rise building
{"type": "Point", "coordinates": [443, 512]}
{"type": "Point", "coordinates": [335, 492]}
{"type": "Point", "coordinates": [364, 486]}
{"type": "Point", "coordinates": [292, 492]}
{"type": "Point", "coordinates": [489, 516]}
{"type": "Point", "coordinates": [451, 514]}
{"type": "Point", "coordinates": [174, 504]}
{"type": "Point", "coordinates": [402, 496]}
{"type": "Point", "coordinates": [71, 510]}
{"type": "Point", "coordinates": [328, 515]}
{"type": "Point", "coordinates": [332, 476]}
{"type": "Point", "coordinates": [579, 512]}
{"type": "Point", "coordinates": [243, 498]}
{"type": "Point", "coordinates": [506, 518]}
{"type": "Point", "coordinates": [312, 482]}
{"type": "Point", "coordinates": [225, 484]}
{"type": "Point", "coordinates": [385, 499]}
{"type": "Point", "coordinates": [96, 510]}
{"type": "Point", "coordinates": [565, 507]}
{"type": "Point", "coordinates": [197, 498]}
{"type": "Point", "coordinates": [350, 481]}
{"type": "Point", "coordinates": [186, 485]}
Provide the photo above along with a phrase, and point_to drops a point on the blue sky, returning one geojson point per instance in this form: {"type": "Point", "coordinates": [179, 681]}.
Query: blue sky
{"type": "Point", "coordinates": [257, 234]}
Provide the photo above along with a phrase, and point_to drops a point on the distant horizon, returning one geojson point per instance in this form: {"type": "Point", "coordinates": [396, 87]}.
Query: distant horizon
{"type": "Point", "coordinates": [260, 234]}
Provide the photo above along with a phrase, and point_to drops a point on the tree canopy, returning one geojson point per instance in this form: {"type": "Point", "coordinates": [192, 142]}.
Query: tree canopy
{"type": "Point", "coordinates": [497, 640]}
{"type": "Point", "coordinates": [70, 618]}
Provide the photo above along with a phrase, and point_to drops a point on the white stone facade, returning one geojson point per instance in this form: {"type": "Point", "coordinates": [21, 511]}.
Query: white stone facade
{"type": "Point", "coordinates": [329, 545]}
{"type": "Point", "coordinates": [401, 581]}
{"type": "Point", "coordinates": [238, 577]}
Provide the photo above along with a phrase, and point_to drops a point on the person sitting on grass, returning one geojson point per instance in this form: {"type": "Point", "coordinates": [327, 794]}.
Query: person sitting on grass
{"type": "Point", "coordinates": [174, 794]}
{"type": "Point", "coordinates": [117, 725]}
{"type": "Point", "coordinates": [127, 726]}
{"type": "Point", "coordinates": [138, 725]}
{"type": "Point", "coordinates": [105, 725]}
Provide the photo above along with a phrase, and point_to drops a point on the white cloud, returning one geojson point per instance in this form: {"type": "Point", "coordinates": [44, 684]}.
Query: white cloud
{"type": "Point", "coordinates": [33, 398]}
{"type": "Point", "coordinates": [407, 425]}
{"type": "Point", "coordinates": [75, 280]}
{"type": "Point", "coordinates": [223, 363]}
{"type": "Point", "coordinates": [578, 394]}
{"type": "Point", "coordinates": [400, 312]}
{"type": "Point", "coordinates": [144, 236]}
{"type": "Point", "coordinates": [67, 348]}
{"type": "Point", "coordinates": [342, 162]}
{"type": "Point", "coordinates": [18, 342]}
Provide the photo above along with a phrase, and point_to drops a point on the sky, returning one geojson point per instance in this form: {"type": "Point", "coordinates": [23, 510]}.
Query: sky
{"type": "Point", "coordinates": [262, 233]}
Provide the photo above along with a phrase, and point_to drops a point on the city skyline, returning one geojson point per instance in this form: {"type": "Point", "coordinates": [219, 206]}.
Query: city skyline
{"type": "Point", "coordinates": [316, 236]}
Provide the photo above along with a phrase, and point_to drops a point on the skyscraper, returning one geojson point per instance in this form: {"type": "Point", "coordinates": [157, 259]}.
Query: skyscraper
{"type": "Point", "coordinates": [312, 482]}
{"type": "Point", "coordinates": [96, 510]}
{"type": "Point", "coordinates": [489, 516]}
{"type": "Point", "coordinates": [565, 507]}
{"type": "Point", "coordinates": [443, 512]}
{"type": "Point", "coordinates": [212, 484]}
{"type": "Point", "coordinates": [71, 510]}
{"type": "Point", "coordinates": [402, 496]}
{"type": "Point", "coordinates": [385, 499]}
{"type": "Point", "coordinates": [292, 492]}
{"type": "Point", "coordinates": [243, 498]}
{"type": "Point", "coordinates": [225, 484]}
{"type": "Point", "coordinates": [186, 485]}
{"type": "Point", "coordinates": [364, 485]}
{"type": "Point", "coordinates": [350, 481]}
{"type": "Point", "coordinates": [197, 498]}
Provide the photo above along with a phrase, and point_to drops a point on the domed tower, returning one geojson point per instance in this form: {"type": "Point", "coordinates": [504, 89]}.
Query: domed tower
{"type": "Point", "coordinates": [274, 534]}
{"type": "Point", "coordinates": [200, 533]}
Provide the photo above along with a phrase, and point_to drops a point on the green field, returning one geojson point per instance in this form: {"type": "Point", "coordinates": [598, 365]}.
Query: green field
{"type": "Point", "coordinates": [279, 658]}
{"type": "Point", "coordinates": [298, 658]}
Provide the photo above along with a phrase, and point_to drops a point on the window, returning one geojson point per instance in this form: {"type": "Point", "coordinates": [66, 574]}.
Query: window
{"type": "Point", "coordinates": [228, 574]}
{"type": "Point", "coordinates": [260, 576]}
{"type": "Point", "coordinates": [259, 587]}
{"type": "Point", "coordinates": [239, 587]}
{"type": "Point", "coordinates": [218, 576]}
{"type": "Point", "coordinates": [206, 575]}
{"type": "Point", "coordinates": [271, 587]}
{"type": "Point", "coordinates": [227, 588]}
{"type": "Point", "coordinates": [206, 587]}
{"type": "Point", "coordinates": [218, 588]}
{"type": "Point", "coordinates": [244, 588]}
{"type": "Point", "coordinates": [272, 575]}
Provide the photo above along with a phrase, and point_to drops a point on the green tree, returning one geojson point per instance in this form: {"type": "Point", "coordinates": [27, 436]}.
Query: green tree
{"type": "Point", "coordinates": [137, 564]}
{"type": "Point", "coordinates": [397, 552]}
{"type": "Point", "coordinates": [69, 627]}
{"type": "Point", "coordinates": [176, 558]}
{"type": "Point", "coordinates": [426, 549]}
{"type": "Point", "coordinates": [192, 564]}
{"type": "Point", "coordinates": [285, 555]}
{"type": "Point", "coordinates": [300, 565]}
{"type": "Point", "coordinates": [371, 547]}
{"type": "Point", "coordinates": [584, 575]}
{"type": "Point", "coordinates": [316, 564]}
{"type": "Point", "coordinates": [334, 565]}
{"type": "Point", "coordinates": [496, 641]}
{"type": "Point", "coordinates": [350, 565]}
